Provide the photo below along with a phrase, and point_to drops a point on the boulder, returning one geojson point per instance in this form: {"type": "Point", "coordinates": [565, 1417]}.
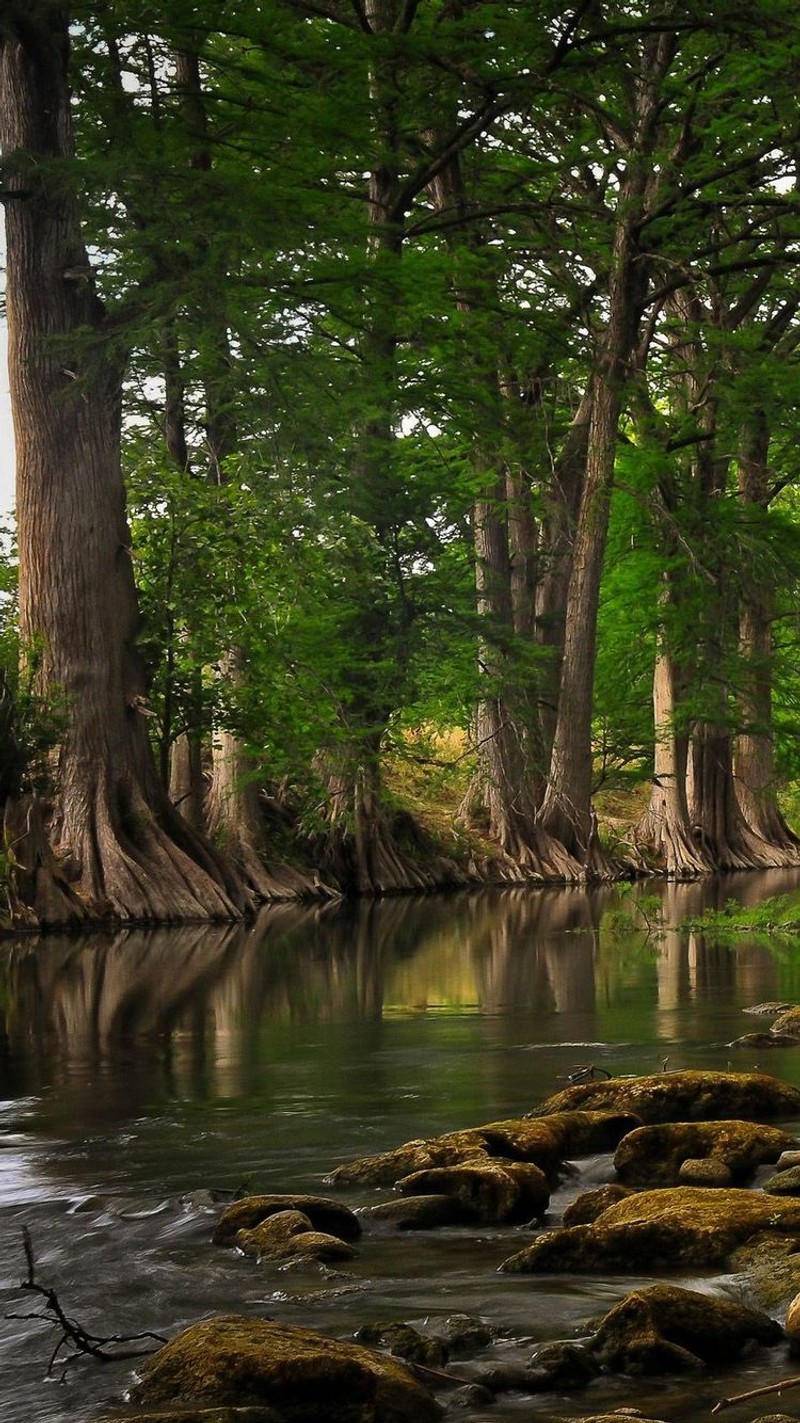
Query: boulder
{"type": "Point", "coordinates": [591, 1204]}
{"type": "Point", "coordinates": [793, 1324]}
{"type": "Point", "coordinates": [788, 1022]}
{"type": "Point", "coordinates": [492, 1191]}
{"type": "Point", "coordinates": [682, 1097]}
{"type": "Point", "coordinates": [325, 1215]}
{"type": "Point", "coordinates": [661, 1230]}
{"type": "Point", "coordinates": [653, 1155]}
{"type": "Point", "coordinates": [664, 1329]}
{"type": "Point", "coordinates": [419, 1213]}
{"type": "Point", "coordinates": [406, 1342]}
{"type": "Point", "coordinates": [768, 1265]}
{"type": "Point", "coordinates": [230, 1414]}
{"type": "Point", "coordinates": [464, 1335]}
{"type": "Point", "coordinates": [289, 1235]}
{"type": "Point", "coordinates": [563, 1366]}
{"type": "Point", "coordinates": [755, 1042]}
{"type": "Point", "coordinates": [784, 1183]}
{"type": "Point", "coordinates": [543, 1141]}
{"type": "Point", "coordinates": [704, 1171]}
{"type": "Point", "coordinates": [304, 1376]}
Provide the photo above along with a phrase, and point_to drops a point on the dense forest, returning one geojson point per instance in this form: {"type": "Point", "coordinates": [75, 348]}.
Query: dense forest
{"type": "Point", "coordinates": [406, 404]}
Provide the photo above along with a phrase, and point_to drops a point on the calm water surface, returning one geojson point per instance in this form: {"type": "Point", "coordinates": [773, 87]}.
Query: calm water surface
{"type": "Point", "coordinates": [137, 1070]}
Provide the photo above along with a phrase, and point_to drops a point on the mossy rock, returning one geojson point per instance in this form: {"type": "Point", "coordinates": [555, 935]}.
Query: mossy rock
{"type": "Point", "coordinates": [783, 1183]}
{"type": "Point", "coordinates": [542, 1141]}
{"type": "Point", "coordinates": [768, 1265]}
{"type": "Point", "coordinates": [788, 1022]}
{"type": "Point", "coordinates": [492, 1191]}
{"type": "Point", "coordinates": [405, 1342]}
{"type": "Point", "coordinates": [705, 1171]}
{"type": "Point", "coordinates": [304, 1376]}
{"type": "Point", "coordinates": [563, 1366]}
{"type": "Point", "coordinates": [419, 1213]}
{"type": "Point", "coordinates": [757, 1042]}
{"type": "Point", "coordinates": [665, 1329]}
{"type": "Point", "coordinates": [288, 1235]}
{"type": "Point", "coordinates": [387, 1167]}
{"type": "Point", "coordinates": [661, 1230]}
{"type": "Point", "coordinates": [586, 1208]}
{"type": "Point", "coordinates": [328, 1216]}
{"type": "Point", "coordinates": [653, 1155]}
{"type": "Point", "coordinates": [682, 1097]}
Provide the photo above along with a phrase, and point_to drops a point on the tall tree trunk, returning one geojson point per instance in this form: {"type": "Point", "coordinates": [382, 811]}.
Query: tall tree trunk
{"type": "Point", "coordinates": [665, 830]}
{"type": "Point", "coordinates": [128, 853]}
{"type": "Point", "coordinates": [754, 757]}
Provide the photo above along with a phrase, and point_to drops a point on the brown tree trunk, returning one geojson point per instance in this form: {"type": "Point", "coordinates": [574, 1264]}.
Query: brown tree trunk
{"type": "Point", "coordinates": [665, 831]}
{"type": "Point", "coordinates": [128, 853]}
{"type": "Point", "coordinates": [754, 758]}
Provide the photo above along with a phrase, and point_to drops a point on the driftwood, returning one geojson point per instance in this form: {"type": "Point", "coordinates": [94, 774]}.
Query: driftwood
{"type": "Point", "coordinates": [72, 1334]}
{"type": "Point", "coordinates": [756, 1393]}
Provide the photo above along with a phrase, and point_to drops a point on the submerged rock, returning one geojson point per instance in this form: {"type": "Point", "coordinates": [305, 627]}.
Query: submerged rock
{"type": "Point", "coordinates": [653, 1155]}
{"type": "Point", "coordinates": [328, 1216]}
{"type": "Point", "coordinates": [304, 1376]}
{"type": "Point", "coordinates": [682, 1097]}
{"type": "Point", "coordinates": [491, 1191]}
{"type": "Point", "coordinates": [659, 1230]}
{"type": "Point", "coordinates": [664, 1329]}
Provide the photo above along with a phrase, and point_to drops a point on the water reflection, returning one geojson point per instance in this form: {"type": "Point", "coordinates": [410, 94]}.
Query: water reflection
{"type": "Point", "coordinates": [202, 998]}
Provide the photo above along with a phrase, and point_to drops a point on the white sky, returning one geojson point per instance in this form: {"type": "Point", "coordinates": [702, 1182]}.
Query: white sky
{"type": "Point", "coordinates": [6, 432]}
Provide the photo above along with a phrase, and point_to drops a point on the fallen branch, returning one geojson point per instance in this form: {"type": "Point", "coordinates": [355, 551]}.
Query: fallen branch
{"type": "Point", "coordinates": [73, 1334]}
{"type": "Point", "coordinates": [756, 1393]}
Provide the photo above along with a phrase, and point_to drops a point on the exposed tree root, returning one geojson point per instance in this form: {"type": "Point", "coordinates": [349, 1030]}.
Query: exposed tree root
{"type": "Point", "coordinates": [665, 839]}
{"type": "Point", "coordinates": [368, 849]}
{"type": "Point", "coordinates": [236, 823]}
{"type": "Point", "coordinates": [37, 892]}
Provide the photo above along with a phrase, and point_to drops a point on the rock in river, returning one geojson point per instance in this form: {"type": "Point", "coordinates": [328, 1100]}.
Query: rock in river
{"type": "Point", "coordinates": [543, 1141]}
{"type": "Point", "coordinates": [662, 1230]}
{"type": "Point", "coordinates": [662, 1328]}
{"type": "Point", "coordinates": [304, 1376]}
{"type": "Point", "coordinates": [289, 1235]}
{"type": "Point", "coordinates": [324, 1215]}
{"type": "Point", "coordinates": [653, 1155]}
{"type": "Point", "coordinates": [491, 1191]}
{"type": "Point", "coordinates": [683, 1097]}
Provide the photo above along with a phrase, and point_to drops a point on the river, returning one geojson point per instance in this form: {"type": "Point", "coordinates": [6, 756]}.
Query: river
{"type": "Point", "coordinates": [140, 1069]}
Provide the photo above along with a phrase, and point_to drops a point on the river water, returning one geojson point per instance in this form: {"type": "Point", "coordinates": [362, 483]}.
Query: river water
{"type": "Point", "coordinates": [140, 1070]}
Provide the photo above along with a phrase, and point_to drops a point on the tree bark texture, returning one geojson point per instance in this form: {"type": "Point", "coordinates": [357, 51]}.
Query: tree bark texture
{"type": "Point", "coordinates": [754, 756]}
{"type": "Point", "coordinates": [128, 853]}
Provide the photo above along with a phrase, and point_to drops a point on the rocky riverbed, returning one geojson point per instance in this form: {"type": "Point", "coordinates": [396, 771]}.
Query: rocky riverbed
{"type": "Point", "coordinates": [701, 1179]}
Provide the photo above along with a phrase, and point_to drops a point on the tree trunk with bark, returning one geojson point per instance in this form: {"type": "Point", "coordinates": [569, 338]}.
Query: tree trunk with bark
{"type": "Point", "coordinates": [665, 831]}
{"type": "Point", "coordinates": [754, 756]}
{"type": "Point", "coordinates": [126, 851]}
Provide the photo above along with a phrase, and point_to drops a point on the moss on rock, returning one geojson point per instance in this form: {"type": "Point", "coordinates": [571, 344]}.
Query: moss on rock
{"type": "Point", "coordinates": [653, 1155]}
{"type": "Point", "coordinates": [236, 1361]}
{"type": "Point", "coordinates": [682, 1097]}
{"type": "Point", "coordinates": [662, 1328]}
{"type": "Point", "coordinates": [661, 1230]}
{"type": "Point", "coordinates": [586, 1208]}
{"type": "Point", "coordinates": [419, 1213]}
{"type": "Point", "coordinates": [328, 1216]}
{"type": "Point", "coordinates": [491, 1191]}
{"type": "Point", "coordinates": [288, 1235]}
{"type": "Point", "coordinates": [542, 1141]}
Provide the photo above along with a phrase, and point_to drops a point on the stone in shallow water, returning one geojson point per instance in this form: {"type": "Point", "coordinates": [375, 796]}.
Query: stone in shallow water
{"type": "Point", "coordinates": [325, 1215]}
{"type": "Point", "coordinates": [683, 1097]}
{"type": "Point", "coordinates": [586, 1208]}
{"type": "Point", "coordinates": [785, 1183]}
{"type": "Point", "coordinates": [653, 1155]}
{"type": "Point", "coordinates": [661, 1230]}
{"type": "Point", "coordinates": [419, 1213]}
{"type": "Point", "coordinates": [304, 1376]}
{"type": "Point", "coordinates": [666, 1329]}
{"type": "Point", "coordinates": [405, 1342]}
{"type": "Point", "coordinates": [492, 1191]}
{"type": "Point", "coordinates": [289, 1235]}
